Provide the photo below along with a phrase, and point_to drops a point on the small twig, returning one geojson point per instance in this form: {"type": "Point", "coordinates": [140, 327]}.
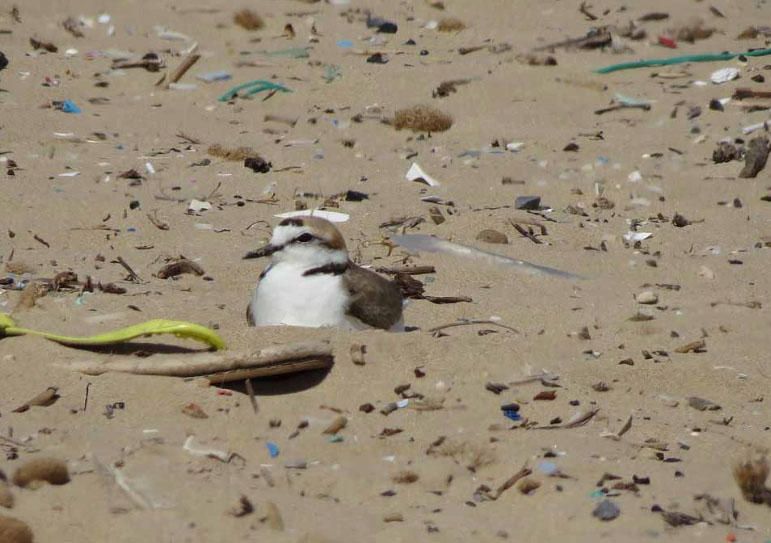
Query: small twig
{"type": "Point", "coordinates": [544, 377]}
{"type": "Point", "coordinates": [189, 139]}
{"type": "Point", "coordinates": [85, 400]}
{"type": "Point", "coordinates": [158, 223]}
{"type": "Point", "coordinates": [252, 397]}
{"type": "Point", "coordinates": [133, 277]}
{"type": "Point", "coordinates": [41, 240]}
{"type": "Point", "coordinates": [213, 193]}
{"type": "Point", "coordinates": [644, 107]}
{"type": "Point", "coordinates": [182, 69]}
{"type": "Point", "coordinates": [511, 481]}
{"type": "Point", "coordinates": [526, 234]}
{"type": "Point", "coordinates": [408, 270]}
{"type": "Point", "coordinates": [469, 323]}
{"type": "Point", "coordinates": [580, 421]}
{"type": "Point", "coordinates": [445, 299]}
{"type": "Point", "coordinates": [530, 222]}
{"type": "Point", "coordinates": [584, 9]}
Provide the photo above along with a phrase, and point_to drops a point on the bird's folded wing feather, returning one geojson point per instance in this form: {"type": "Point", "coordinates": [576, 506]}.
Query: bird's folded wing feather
{"type": "Point", "coordinates": [375, 301]}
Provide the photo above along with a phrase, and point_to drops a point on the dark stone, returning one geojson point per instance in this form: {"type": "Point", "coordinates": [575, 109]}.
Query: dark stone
{"type": "Point", "coordinates": [388, 28]}
{"type": "Point", "coordinates": [528, 202]}
{"type": "Point", "coordinates": [377, 58]}
{"type": "Point", "coordinates": [257, 164]}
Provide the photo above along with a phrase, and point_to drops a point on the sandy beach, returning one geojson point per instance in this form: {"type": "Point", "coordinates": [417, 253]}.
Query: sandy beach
{"type": "Point", "coordinates": [654, 365]}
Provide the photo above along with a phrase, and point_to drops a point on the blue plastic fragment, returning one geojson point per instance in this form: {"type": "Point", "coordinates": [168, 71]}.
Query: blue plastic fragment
{"type": "Point", "coordinates": [512, 414]}
{"type": "Point", "coordinates": [273, 449]}
{"type": "Point", "coordinates": [337, 438]}
{"type": "Point", "coordinates": [68, 106]}
{"type": "Point", "coordinates": [548, 468]}
{"type": "Point", "coordinates": [345, 44]}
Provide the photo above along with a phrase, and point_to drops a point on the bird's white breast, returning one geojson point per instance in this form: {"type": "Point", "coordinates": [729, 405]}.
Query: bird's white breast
{"type": "Point", "coordinates": [285, 296]}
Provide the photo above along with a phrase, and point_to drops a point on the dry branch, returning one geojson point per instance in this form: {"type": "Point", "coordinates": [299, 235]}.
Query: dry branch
{"type": "Point", "coordinates": [220, 367]}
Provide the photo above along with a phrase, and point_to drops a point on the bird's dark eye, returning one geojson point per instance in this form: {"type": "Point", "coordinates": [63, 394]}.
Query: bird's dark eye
{"type": "Point", "coordinates": [304, 238]}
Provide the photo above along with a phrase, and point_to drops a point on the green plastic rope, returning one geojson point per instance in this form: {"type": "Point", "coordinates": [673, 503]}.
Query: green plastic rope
{"type": "Point", "coordinates": [707, 57]}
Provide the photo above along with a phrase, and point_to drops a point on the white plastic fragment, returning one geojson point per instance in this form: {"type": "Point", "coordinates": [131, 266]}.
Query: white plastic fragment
{"type": "Point", "coordinates": [191, 447]}
{"type": "Point", "coordinates": [69, 174]}
{"type": "Point", "coordinates": [183, 86]}
{"type": "Point", "coordinates": [724, 75]}
{"type": "Point", "coordinates": [706, 273]}
{"type": "Point", "coordinates": [637, 236]}
{"type": "Point", "coordinates": [634, 177]}
{"type": "Point", "coordinates": [416, 173]}
{"type": "Point", "coordinates": [197, 205]}
{"type": "Point", "coordinates": [166, 34]}
{"type": "Point", "coordinates": [331, 216]}
{"type": "Point", "coordinates": [765, 125]}
{"type": "Point", "coordinates": [515, 146]}
{"type": "Point", "coordinates": [150, 168]}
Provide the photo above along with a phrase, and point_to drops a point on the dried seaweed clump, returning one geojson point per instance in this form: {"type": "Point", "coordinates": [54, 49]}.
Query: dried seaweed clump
{"type": "Point", "coordinates": [231, 153]}
{"type": "Point", "coordinates": [751, 475]}
{"type": "Point", "coordinates": [422, 119]}
{"type": "Point", "coordinates": [450, 24]}
{"type": "Point", "coordinates": [465, 453]}
{"type": "Point", "coordinates": [248, 20]}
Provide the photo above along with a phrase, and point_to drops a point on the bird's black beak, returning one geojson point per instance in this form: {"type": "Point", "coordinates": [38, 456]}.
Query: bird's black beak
{"type": "Point", "coordinates": [266, 250]}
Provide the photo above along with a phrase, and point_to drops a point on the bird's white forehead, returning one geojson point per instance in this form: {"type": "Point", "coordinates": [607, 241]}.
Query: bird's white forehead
{"type": "Point", "coordinates": [284, 234]}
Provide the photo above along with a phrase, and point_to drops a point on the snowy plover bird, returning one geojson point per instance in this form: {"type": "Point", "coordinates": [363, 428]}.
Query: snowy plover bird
{"type": "Point", "coordinates": [312, 282]}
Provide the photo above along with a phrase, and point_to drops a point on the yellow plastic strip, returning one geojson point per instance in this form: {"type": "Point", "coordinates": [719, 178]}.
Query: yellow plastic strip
{"type": "Point", "coordinates": [181, 329]}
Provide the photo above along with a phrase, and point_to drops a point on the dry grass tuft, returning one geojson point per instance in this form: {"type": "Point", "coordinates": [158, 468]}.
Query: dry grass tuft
{"type": "Point", "coordinates": [232, 153]}
{"type": "Point", "coordinates": [468, 454]}
{"type": "Point", "coordinates": [422, 119]}
{"type": "Point", "coordinates": [751, 475]}
{"type": "Point", "coordinates": [450, 24]}
{"type": "Point", "coordinates": [405, 477]}
{"type": "Point", "coordinates": [248, 20]}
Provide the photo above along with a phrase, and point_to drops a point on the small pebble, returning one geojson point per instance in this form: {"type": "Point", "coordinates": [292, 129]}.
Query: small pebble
{"type": "Point", "coordinates": [493, 236]}
{"type": "Point", "coordinates": [528, 202]}
{"type": "Point", "coordinates": [703, 404]}
{"type": "Point", "coordinates": [647, 297]}
{"type": "Point", "coordinates": [606, 510]}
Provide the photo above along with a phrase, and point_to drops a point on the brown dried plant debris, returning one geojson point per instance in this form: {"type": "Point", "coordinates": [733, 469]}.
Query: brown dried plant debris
{"type": "Point", "coordinates": [235, 154]}
{"type": "Point", "coordinates": [14, 531]}
{"type": "Point", "coordinates": [470, 455]}
{"type": "Point", "coordinates": [692, 31]}
{"type": "Point", "coordinates": [751, 475]}
{"type": "Point", "coordinates": [49, 470]}
{"type": "Point", "coordinates": [450, 24]}
{"type": "Point", "coordinates": [248, 20]}
{"type": "Point", "coordinates": [422, 118]}
{"type": "Point", "coordinates": [405, 477]}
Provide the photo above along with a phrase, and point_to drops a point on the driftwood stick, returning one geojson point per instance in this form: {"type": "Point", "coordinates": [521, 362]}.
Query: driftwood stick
{"type": "Point", "coordinates": [182, 69]}
{"type": "Point", "coordinates": [282, 367]}
{"type": "Point", "coordinates": [220, 367]}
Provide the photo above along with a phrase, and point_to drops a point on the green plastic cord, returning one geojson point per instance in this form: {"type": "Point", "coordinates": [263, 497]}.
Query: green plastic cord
{"type": "Point", "coordinates": [707, 57]}
{"type": "Point", "coordinates": [180, 329]}
{"type": "Point", "coordinates": [254, 87]}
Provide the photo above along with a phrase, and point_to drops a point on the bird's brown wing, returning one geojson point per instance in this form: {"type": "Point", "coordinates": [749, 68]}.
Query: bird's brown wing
{"type": "Point", "coordinates": [375, 300]}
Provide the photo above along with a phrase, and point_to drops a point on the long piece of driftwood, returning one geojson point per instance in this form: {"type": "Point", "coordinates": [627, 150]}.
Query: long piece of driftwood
{"type": "Point", "coordinates": [220, 366]}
